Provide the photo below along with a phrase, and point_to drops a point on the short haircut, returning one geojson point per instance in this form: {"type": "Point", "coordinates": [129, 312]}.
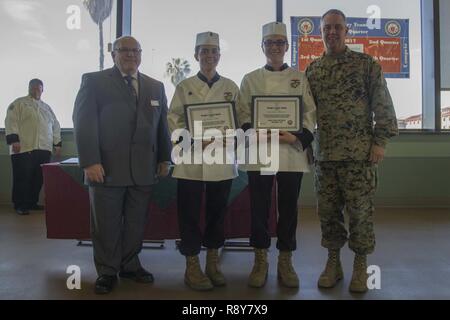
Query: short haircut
{"type": "Point", "coordinates": [118, 40]}
{"type": "Point", "coordinates": [34, 82]}
{"type": "Point", "coordinates": [334, 11]}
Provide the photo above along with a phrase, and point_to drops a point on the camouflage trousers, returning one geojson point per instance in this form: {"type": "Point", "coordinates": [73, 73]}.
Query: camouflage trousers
{"type": "Point", "coordinates": [346, 186]}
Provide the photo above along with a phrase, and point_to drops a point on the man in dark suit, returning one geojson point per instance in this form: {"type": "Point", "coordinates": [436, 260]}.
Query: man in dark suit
{"type": "Point", "coordinates": [123, 142]}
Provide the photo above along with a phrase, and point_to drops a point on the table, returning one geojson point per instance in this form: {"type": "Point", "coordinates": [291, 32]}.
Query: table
{"type": "Point", "coordinates": [67, 206]}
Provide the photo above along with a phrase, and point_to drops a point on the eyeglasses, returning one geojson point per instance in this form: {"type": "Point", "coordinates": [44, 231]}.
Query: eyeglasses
{"type": "Point", "coordinates": [270, 43]}
{"type": "Point", "coordinates": [125, 50]}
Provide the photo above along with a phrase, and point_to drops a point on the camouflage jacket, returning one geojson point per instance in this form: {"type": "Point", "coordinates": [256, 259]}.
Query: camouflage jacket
{"type": "Point", "coordinates": [354, 107]}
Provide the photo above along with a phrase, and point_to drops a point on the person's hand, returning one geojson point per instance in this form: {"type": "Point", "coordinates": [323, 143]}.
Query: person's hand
{"type": "Point", "coordinates": [163, 169]}
{"type": "Point", "coordinates": [57, 152]}
{"type": "Point", "coordinates": [376, 154]}
{"type": "Point", "coordinates": [287, 137]}
{"type": "Point", "coordinates": [95, 173]}
{"type": "Point", "coordinates": [16, 147]}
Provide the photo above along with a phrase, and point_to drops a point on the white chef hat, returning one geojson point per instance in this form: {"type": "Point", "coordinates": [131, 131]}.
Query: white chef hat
{"type": "Point", "coordinates": [207, 38]}
{"type": "Point", "coordinates": [274, 28]}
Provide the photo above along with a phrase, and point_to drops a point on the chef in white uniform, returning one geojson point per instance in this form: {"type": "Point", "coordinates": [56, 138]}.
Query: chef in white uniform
{"type": "Point", "coordinates": [194, 179]}
{"type": "Point", "coordinates": [277, 78]}
{"type": "Point", "coordinates": [33, 133]}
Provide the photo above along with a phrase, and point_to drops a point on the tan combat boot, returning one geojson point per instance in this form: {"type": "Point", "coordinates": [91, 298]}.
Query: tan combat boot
{"type": "Point", "coordinates": [212, 269]}
{"type": "Point", "coordinates": [286, 272]}
{"type": "Point", "coordinates": [258, 276]}
{"type": "Point", "coordinates": [333, 271]}
{"type": "Point", "coordinates": [194, 276]}
{"type": "Point", "coordinates": [359, 277]}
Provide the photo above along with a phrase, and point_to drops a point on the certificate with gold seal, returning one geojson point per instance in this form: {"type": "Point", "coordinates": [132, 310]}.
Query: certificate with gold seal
{"type": "Point", "coordinates": [284, 113]}
{"type": "Point", "coordinates": [216, 115]}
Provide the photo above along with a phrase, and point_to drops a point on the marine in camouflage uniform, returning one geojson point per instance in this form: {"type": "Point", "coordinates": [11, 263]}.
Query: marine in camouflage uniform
{"type": "Point", "coordinates": [355, 114]}
{"type": "Point", "coordinates": [351, 93]}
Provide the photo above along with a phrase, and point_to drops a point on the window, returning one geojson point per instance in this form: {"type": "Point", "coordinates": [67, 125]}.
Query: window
{"type": "Point", "coordinates": [445, 110]}
{"type": "Point", "coordinates": [55, 41]}
{"type": "Point", "coordinates": [167, 30]}
{"type": "Point", "coordinates": [408, 103]}
{"type": "Point", "coordinates": [444, 20]}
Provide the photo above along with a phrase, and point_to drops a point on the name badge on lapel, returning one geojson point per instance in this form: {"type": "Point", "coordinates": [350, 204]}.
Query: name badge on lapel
{"type": "Point", "coordinates": [154, 103]}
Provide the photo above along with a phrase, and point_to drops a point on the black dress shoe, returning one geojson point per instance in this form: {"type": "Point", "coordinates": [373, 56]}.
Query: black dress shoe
{"type": "Point", "coordinates": [105, 284]}
{"type": "Point", "coordinates": [141, 275]}
{"type": "Point", "coordinates": [37, 207]}
{"type": "Point", "coordinates": [22, 212]}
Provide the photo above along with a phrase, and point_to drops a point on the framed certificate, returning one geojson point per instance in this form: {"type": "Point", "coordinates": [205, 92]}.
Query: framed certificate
{"type": "Point", "coordinates": [284, 113]}
{"type": "Point", "coordinates": [215, 115]}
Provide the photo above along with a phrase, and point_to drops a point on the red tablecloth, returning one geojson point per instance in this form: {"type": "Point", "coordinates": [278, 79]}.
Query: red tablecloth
{"type": "Point", "coordinates": [67, 208]}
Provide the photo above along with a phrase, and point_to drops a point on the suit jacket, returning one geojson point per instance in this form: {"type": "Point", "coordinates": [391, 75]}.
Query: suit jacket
{"type": "Point", "coordinates": [128, 139]}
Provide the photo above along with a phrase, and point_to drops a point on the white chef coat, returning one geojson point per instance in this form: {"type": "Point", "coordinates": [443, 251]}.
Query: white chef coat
{"type": "Point", "coordinates": [193, 91]}
{"type": "Point", "coordinates": [289, 81]}
{"type": "Point", "coordinates": [35, 124]}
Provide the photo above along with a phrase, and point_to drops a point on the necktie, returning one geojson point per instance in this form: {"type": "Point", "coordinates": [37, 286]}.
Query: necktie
{"type": "Point", "coordinates": [129, 80]}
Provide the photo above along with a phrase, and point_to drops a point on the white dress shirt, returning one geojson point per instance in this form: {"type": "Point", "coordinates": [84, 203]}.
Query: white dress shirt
{"type": "Point", "coordinates": [134, 81]}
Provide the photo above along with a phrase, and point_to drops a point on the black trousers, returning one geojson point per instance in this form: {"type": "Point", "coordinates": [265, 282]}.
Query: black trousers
{"type": "Point", "coordinates": [289, 184]}
{"type": "Point", "coordinates": [27, 177]}
{"type": "Point", "coordinates": [189, 201]}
